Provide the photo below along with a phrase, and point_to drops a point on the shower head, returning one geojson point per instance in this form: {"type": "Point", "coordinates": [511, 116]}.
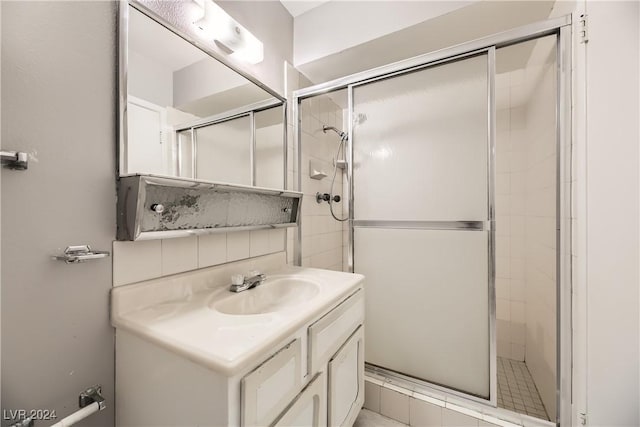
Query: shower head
{"type": "Point", "coordinates": [341, 134]}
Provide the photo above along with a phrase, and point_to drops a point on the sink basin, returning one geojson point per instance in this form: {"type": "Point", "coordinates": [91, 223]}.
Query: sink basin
{"type": "Point", "coordinates": [273, 295]}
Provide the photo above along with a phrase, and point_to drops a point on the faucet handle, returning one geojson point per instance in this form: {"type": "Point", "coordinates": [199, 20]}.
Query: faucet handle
{"type": "Point", "coordinates": [237, 279]}
{"type": "Point", "coordinates": [253, 273]}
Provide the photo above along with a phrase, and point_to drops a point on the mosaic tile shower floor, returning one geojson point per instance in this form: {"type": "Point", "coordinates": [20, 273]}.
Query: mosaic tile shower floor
{"type": "Point", "coordinates": [517, 391]}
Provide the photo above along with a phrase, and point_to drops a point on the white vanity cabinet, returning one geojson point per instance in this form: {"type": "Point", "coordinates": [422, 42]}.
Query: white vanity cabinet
{"type": "Point", "coordinates": [335, 355]}
{"type": "Point", "coordinates": [313, 378]}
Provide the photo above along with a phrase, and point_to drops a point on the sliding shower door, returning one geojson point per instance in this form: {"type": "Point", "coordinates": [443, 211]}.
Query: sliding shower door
{"type": "Point", "coordinates": [422, 215]}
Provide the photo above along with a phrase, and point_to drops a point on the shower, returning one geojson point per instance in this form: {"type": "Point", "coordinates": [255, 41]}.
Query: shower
{"type": "Point", "coordinates": [329, 197]}
{"type": "Point", "coordinates": [464, 241]}
{"type": "Point", "coordinates": [343, 136]}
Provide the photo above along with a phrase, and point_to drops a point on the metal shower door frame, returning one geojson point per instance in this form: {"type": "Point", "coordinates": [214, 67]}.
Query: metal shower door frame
{"type": "Point", "coordinates": [561, 28]}
{"type": "Point", "coordinates": [488, 225]}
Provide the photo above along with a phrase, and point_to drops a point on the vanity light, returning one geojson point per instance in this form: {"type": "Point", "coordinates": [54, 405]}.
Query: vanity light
{"type": "Point", "coordinates": [218, 26]}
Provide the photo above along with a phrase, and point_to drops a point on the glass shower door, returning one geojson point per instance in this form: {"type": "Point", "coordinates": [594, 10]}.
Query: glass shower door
{"type": "Point", "coordinates": [422, 222]}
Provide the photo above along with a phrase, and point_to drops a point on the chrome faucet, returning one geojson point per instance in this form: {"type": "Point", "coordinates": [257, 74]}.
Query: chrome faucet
{"type": "Point", "coordinates": [241, 283]}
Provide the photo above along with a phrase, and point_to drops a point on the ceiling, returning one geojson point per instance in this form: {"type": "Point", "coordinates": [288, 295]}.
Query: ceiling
{"type": "Point", "coordinates": [468, 23]}
{"type": "Point", "coordinates": [298, 7]}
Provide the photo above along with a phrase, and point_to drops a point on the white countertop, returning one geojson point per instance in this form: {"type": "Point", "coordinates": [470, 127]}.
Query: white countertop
{"type": "Point", "coordinates": [175, 314]}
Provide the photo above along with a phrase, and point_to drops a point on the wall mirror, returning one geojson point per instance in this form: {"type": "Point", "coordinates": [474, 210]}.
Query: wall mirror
{"type": "Point", "coordinates": [187, 114]}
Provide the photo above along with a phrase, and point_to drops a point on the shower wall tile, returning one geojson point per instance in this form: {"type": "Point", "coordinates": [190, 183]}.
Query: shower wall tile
{"type": "Point", "coordinates": [503, 288]}
{"type": "Point", "coordinates": [517, 311]}
{"type": "Point", "coordinates": [510, 206]}
{"type": "Point", "coordinates": [503, 309]}
{"type": "Point", "coordinates": [540, 349]}
{"type": "Point", "coordinates": [503, 225]}
{"type": "Point", "coordinates": [517, 269]}
{"type": "Point", "coordinates": [322, 236]}
{"type": "Point", "coordinates": [517, 333]}
{"type": "Point", "coordinates": [526, 266]}
{"type": "Point", "coordinates": [503, 267]}
{"type": "Point", "coordinates": [503, 330]}
{"type": "Point", "coordinates": [517, 290]}
{"type": "Point", "coordinates": [503, 183]}
{"type": "Point", "coordinates": [517, 352]}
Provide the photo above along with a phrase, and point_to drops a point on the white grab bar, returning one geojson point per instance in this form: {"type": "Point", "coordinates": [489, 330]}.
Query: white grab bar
{"type": "Point", "coordinates": [79, 415]}
{"type": "Point", "coordinates": [90, 402]}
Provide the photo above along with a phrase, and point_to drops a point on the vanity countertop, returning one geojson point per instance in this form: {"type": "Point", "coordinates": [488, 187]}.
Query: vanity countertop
{"type": "Point", "coordinates": [182, 315]}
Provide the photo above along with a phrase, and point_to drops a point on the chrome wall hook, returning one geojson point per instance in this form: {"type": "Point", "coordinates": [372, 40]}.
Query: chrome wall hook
{"type": "Point", "coordinates": [14, 159]}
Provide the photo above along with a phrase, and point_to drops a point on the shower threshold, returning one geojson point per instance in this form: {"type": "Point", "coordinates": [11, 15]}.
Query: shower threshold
{"type": "Point", "coordinates": [452, 399]}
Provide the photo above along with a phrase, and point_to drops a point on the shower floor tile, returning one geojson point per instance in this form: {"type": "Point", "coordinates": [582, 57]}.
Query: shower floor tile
{"type": "Point", "coordinates": [517, 391]}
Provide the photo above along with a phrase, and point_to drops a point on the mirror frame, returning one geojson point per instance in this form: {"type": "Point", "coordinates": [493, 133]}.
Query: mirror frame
{"type": "Point", "coordinates": [123, 68]}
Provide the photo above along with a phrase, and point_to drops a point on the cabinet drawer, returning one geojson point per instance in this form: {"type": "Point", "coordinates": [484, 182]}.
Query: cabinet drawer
{"type": "Point", "coordinates": [329, 333]}
{"type": "Point", "coordinates": [310, 407]}
{"type": "Point", "coordinates": [266, 391]}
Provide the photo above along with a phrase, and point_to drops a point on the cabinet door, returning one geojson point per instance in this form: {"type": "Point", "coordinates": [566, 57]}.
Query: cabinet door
{"type": "Point", "coordinates": [266, 391]}
{"type": "Point", "coordinates": [310, 407]}
{"type": "Point", "coordinates": [346, 381]}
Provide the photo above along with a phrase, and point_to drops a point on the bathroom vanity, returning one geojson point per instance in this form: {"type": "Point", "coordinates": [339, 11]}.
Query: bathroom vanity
{"type": "Point", "coordinates": [286, 353]}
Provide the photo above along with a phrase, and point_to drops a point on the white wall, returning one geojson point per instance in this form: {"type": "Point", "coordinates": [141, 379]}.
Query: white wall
{"type": "Point", "coordinates": [59, 104]}
{"type": "Point", "coordinates": [346, 24]}
{"type": "Point", "coordinates": [149, 80]}
{"type": "Point", "coordinates": [479, 19]}
{"type": "Point", "coordinates": [202, 79]}
{"type": "Point", "coordinates": [612, 194]}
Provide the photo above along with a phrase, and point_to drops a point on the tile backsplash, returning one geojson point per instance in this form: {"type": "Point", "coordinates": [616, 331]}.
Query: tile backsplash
{"type": "Point", "coordinates": [144, 260]}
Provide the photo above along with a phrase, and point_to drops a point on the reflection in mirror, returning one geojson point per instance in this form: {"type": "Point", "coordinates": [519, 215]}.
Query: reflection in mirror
{"type": "Point", "coordinates": [184, 114]}
{"type": "Point", "coordinates": [269, 150]}
{"type": "Point", "coordinates": [231, 137]}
